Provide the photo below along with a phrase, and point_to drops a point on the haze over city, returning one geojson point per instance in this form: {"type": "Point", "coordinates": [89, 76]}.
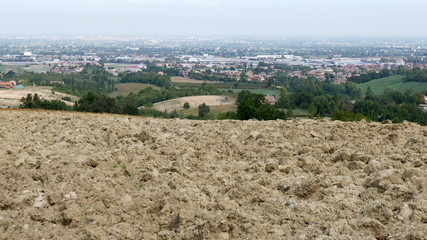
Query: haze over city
{"type": "Point", "coordinates": [216, 17]}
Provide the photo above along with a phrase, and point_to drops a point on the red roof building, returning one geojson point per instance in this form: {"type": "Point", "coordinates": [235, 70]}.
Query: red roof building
{"type": "Point", "coordinates": [6, 85]}
{"type": "Point", "coordinates": [270, 99]}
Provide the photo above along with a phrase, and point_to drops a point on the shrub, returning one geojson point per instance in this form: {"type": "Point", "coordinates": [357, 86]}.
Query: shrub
{"type": "Point", "coordinates": [186, 105]}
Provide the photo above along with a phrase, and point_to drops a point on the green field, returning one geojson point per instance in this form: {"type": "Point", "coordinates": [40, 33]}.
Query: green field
{"type": "Point", "coordinates": [123, 89]}
{"type": "Point", "coordinates": [26, 67]}
{"type": "Point", "coordinates": [118, 65]}
{"type": "Point", "coordinates": [395, 82]}
{"type": "Point", "coordinates": [15, 68]}
{"type": "Point", "coordinates": [269, 92]}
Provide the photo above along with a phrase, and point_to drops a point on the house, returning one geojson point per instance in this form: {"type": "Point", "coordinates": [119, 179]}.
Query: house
{"type": "Point", "coordinates": [270, 99]}
{"type": "Point", "coordinates": [6, 85]}
{"type": "Point", "coordinates": [423, 107]}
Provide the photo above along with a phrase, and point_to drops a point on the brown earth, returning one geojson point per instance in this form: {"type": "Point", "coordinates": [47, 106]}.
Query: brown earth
{"type": "Point", "coordinates": [95, 176]}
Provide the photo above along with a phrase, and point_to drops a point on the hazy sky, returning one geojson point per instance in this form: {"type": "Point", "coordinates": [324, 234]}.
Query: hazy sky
{"type": "Point", "coordinates": [215, 17]}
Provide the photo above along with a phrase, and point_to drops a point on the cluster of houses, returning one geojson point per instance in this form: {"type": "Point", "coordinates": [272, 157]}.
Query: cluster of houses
{"type": "Point", "coordinates": [10, 84]}
{"type": "Point", "coordinates": [423, 106]}
{"type": "Point", "coordinates": [67, 68]}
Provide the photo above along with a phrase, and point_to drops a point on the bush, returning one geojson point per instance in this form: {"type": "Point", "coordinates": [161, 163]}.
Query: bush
{"type": "Point", "coordinates": [37, 103]}
{"type": "Point", "coordinates": [203, 110]}
{"type": "Point", "coordinates": [67, 99]}
{"type": "Point", "coordinates": [347, 116]}
{"type": "Point", "coordinates": [186, 105]}
{"type": "Point", "coordinates": [91, 102]}
{"type": "Point", "coordinates": [254, 106]}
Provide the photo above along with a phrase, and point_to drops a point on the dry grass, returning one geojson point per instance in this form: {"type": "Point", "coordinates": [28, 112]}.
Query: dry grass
{"type": "Point", "coordinates": [123, 89]}
{"type": "Point", "coordinates": [186, 80]}
{"type": "Point", "coordinates": [214, 109]}
{"type": "Point", "coordinates": [11, 97]}
{"type": "Point", "coordinates": [194, 101]}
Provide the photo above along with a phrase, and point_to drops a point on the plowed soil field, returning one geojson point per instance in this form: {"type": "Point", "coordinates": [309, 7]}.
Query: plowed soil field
{"type": "Point", "coordinates": [67, 175]}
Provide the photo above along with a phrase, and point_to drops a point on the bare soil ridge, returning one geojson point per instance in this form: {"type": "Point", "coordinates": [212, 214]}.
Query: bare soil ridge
{"type": "Point", "coordinates": [97, 176]}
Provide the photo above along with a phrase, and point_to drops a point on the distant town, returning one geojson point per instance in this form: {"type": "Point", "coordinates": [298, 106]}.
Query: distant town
{"type": "Point", "coordinates": [193, 57]}
{"type": "Point", "coordinates": [313, 77]}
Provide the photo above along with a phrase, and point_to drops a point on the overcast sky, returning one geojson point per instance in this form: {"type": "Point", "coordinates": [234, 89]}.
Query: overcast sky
{"type": "Point", "coordinates": [214, 17]}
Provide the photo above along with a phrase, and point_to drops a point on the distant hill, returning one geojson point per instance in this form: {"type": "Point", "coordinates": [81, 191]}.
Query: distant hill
{"type": "Point", "coordinates": [396, 82]}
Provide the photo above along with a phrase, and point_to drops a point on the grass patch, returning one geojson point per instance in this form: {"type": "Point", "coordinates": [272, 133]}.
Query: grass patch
{"type": "Point", "coordinates": [15, 68]}
{"type": "Point", "coordinates": [118, 65]}
{"type": "Point", "coordinates": [123, 89]}
{"type": "Point", "coordinates": [23, 67]}
{"type": "Point", "coordinates": [395, 82]}
{"type": "Point", "coordinates": [214, 110]}
{"type": "Point", "coordinates": [119, 166]}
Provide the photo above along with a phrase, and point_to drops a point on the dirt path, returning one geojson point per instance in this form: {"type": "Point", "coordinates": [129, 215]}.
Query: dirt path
{"type": "Point", "coordinates": [70, 175]}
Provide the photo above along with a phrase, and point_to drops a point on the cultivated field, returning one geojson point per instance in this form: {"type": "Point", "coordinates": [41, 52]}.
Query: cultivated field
{"type": "Point", "coordinates": [194, 101]}
{"type": "Point", "coordinates": [267, 92]}
{"type": "Point", "coordinates": [395, 82]}
{"type": "Point", "coordinates": [123, 89]}
{"type": "Point", "coordinates": [213, 110]}
{"type": "Point", "coordinates": [192, 83]}
{"type": "Point", "coordinates": [118, 65]}
{"type": "Point", "coordinates": [185, 80]}
{"type": "Point", "coordinates": [11, 97]}
{"type": "Point", "coordinates": [21, 68]}
{"type": "Point", "coordinates": [68, 175]}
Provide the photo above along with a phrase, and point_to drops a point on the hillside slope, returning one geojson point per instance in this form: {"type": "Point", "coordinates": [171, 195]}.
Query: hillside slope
{"type": "Point", "coordinates": [395, 82]}
{"type": "Point", "coordinates": [11, 97]}
{"type": "Point", "coordinates": [97, 176]}
{"type": "Point", "coordinates": [194, 101]}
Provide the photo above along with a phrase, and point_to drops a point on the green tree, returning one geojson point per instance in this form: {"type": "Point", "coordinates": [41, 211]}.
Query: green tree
{"type": "Point", "coordinates": [420, 98]}
{"type": "Point", "coordinates": [254, 106]}
{"type": "Point", "coordinates": [284, 98]}
{"type": "Point", "coordinates": [91, 102]}
{"type": "Point", "coordinates": [10, 74]}
{"type": "Point", "coordinates": [369, 95]}
{"type": "Point", "coordinates": [236, 85]}
{"type": "Point", "coordinates": [186, 105]}
{"type": "Point", "coordinates": [312, 109]}
{"type": "Point", "coordinates": [37, 103]}
{"type": "Point", "coordinates": [129, 105]}
{"type": "Point", "coordinates": [203, 110]}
